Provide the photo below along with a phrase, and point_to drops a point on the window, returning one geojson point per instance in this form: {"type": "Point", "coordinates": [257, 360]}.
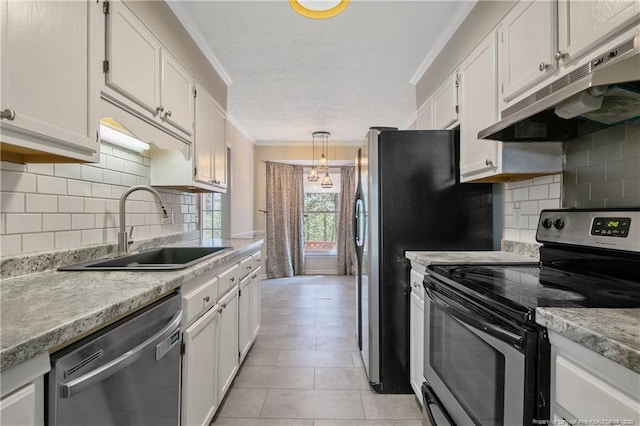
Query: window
{"type": "Point", "coordinates": [321, 208]}
{"type": "Point", "coordinates": [212, 215]}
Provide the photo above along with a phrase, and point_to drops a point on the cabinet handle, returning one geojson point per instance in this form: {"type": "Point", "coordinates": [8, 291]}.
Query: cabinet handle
{"type": "Point", "coordinates": [220, 310]}
{"type": "Point", "coordinates": [232, 279]}
{"type": "Point", "coordinates": [488, 162]}
{"type": "Point", "coordinates": [8, 114]}
{"type": "Point", "coordinates": [543, 66]}
{"type": "Point", "coordinates": [167, 114]}
{"type": "Point", "coordinates": [248, 266]}
{"type": "Point", "coordinates": [160, 108]}
{"type": "Point", "coordinates": [559, 55]}
{"type": "Point", "coordinates": [224, 305]}
{"type": "Point", "coordinates": [206, 299]}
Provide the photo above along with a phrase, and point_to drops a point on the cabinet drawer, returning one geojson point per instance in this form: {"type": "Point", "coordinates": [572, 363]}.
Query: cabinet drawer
{"type": "Point", "coordinates": [199, 299]}
{"type": "Point", "coordinates": [257, 260]}
{"type": "Point", "coordinates": [586, 396]}
{"type": "Point", "coordinates": [245, 267]}
{"type": "Point", "coordinates": [227, 279]}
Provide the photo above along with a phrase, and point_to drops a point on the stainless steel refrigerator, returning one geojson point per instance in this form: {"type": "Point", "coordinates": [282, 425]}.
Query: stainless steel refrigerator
{"type": "Point", "coordinates": [408, 197]}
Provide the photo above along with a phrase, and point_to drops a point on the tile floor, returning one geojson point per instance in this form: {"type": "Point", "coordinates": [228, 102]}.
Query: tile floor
{"type": "Point", "coordinates": [304, 368]}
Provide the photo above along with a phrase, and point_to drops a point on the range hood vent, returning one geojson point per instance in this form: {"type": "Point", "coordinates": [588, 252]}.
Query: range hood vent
{"type": "Point", "coordinates": [602, 93]}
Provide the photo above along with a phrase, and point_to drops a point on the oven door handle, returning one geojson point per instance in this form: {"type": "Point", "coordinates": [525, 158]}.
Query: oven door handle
{"type": "Point", "coordinates": [437, 416]}
{"type": "Point", "coordinates": [491, 329]}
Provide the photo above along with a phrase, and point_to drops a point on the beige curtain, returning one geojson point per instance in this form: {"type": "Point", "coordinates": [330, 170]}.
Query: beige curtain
{"type": "Point", "coordinates": [346, 249]}
{"type": "Point", "coordinates": [285, 205]}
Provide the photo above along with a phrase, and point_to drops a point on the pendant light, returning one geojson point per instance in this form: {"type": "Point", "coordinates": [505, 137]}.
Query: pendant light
{"type": "Point", "coordinates": [323, 164]}
{"type": "Point", "coordinates": [313, 173]}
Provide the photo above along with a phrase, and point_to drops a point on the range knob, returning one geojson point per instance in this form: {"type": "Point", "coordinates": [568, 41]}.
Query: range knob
{"type": "Point", "coordinates": [547, 223]}
{"type": "Point", "coordinates": [559, 223]}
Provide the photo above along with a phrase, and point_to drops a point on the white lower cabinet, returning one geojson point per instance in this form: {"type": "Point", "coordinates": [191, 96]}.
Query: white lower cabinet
{"type": "Point", "coordinates": [587, 387]}
{"type": "Point", "coordinates": [200, 369]}
{"type": "Point", "coordinates": [254, 323]}
{"type": "Point", "coordinates": [22, 402]}
{"type": "Point", "coordinates": [245, 335]}
{"type": "Point", "coordinates": [228, 361]}
{"type": "Point", "coordinates": [416, 333]}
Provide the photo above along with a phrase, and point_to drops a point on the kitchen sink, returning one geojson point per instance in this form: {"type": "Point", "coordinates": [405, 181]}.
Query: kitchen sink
{"type": "Point", "coordinates": [158, 259]}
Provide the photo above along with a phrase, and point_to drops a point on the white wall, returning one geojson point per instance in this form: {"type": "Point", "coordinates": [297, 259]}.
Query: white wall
{"type": "Point", "coordinates": [54, 206]}
{"type": "Point", "coordinates": [242, 182]}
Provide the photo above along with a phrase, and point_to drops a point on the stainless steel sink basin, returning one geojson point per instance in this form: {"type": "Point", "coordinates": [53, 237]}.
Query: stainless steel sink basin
{"type": "Point", "coordinates": [159, 259]}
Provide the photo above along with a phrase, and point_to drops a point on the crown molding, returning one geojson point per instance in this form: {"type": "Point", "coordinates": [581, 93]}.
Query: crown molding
{"type": "Point", "coordinates": [458, 17]}
{"type": "Point", "coordinates": [189, 24]}
{"type": "Point", "coordinates": [307, 143]}
{"type": "Point", "coordinates": [231, 119]}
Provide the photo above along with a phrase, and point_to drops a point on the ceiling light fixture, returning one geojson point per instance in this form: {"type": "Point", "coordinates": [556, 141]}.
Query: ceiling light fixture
{"type": "Point", "coordinates": [114, 137]}
{"type": "Point", "coordinates": [313, 173]}
{"type": "Point", "coordinates": [319, 9]}
{"type": "Point", "coordinates": [323, 164]}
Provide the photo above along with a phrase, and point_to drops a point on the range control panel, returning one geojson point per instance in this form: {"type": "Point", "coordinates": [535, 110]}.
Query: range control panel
{"type": "Point", "coordinates": [601, 228]}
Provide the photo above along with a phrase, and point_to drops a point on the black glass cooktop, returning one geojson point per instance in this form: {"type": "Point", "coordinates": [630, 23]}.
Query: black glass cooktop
{"type": "Point", "coordinates": [520, 286]}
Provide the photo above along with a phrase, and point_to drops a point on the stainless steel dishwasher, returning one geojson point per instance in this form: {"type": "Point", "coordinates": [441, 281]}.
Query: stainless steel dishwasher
{"type": "Point", "coordinates": [125, 374]}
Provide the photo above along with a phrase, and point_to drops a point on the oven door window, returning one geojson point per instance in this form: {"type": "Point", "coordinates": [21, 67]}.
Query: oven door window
{"type": "Point", "coordinates": [472, 370]}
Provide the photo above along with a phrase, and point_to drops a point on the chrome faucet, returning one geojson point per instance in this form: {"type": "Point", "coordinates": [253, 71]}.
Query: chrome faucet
{"type": "Point", "coordinates": [123, 237]}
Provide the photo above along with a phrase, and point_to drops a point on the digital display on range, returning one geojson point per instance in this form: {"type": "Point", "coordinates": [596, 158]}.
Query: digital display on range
{"type": "Point", "coordinates": [611, 226]}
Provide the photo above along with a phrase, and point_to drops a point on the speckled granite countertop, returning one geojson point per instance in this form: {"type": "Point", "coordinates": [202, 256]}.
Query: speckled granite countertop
{"type": "Point", "coordinates": [612, 333]}
{"type": "Point", "coordinates": [44, 310]}
{"type": "Point", "coordinates": [427, 258]}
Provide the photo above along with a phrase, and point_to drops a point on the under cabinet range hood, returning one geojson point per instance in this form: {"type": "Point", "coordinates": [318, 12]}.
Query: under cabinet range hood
{"type": "Point", "coordinates": [602, 93]}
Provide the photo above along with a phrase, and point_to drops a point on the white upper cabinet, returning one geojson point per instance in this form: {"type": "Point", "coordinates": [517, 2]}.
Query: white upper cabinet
{"type": "Point", "coordinates": [50, 80]}
{"type": "Point", "coordinates": [220, 147]}
{"type": "Point", "coordinates": [445, 104]}
{"type": "Point", "coordinates": [205, 111]}
{"type": "Point", "coordinates": [582, 25]}
{"type": "Point", "coordinates": [424, 117]}
{"type": "Point", "coordinates": [478, 109]}
{"type": "Point", "coordinates": [142, 77]}
{"type": "Point", "coordinates": [527, 46]}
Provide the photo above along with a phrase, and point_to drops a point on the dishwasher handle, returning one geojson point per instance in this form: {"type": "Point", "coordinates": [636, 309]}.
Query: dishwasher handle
{"type": "Point", "coordinates": [73, 387]}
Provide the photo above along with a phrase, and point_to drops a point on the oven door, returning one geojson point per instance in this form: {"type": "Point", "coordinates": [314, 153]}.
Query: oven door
{"type": "Point", "coordinates": [473, 363]}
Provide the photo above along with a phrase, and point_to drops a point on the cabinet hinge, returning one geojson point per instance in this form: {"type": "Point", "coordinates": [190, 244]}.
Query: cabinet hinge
{"type": "Point", "coordinates": [239, 292]}
{"type": "Point", "coordinates": [239, 354]}
{"type": "Point", "coordinates": [105, 66]}
{"type": "Point", "coordinates": [195, 93]}
{"type": "Point", "coordinates": [105, 7]}
{"type": "Point", "coordinates": [183, 348]}
{"type": "Point", "coordinates": [195, 171]}
{"type": "Point", "coordinates": [502, 87]}
{"type": "Point", "coordinates": [97, 136]}
{"type": "Point", "coordinates": [457, 109]}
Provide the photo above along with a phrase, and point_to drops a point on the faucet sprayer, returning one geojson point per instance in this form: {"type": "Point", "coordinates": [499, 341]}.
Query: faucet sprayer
{"type": "Point", "coordinates": [123, 238]}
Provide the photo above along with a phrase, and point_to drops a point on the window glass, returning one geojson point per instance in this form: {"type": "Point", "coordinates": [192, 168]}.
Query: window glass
{"type": "Point", "coordinates": [211, 215]}
{"type": "Point", "coordinates": [321, 208]}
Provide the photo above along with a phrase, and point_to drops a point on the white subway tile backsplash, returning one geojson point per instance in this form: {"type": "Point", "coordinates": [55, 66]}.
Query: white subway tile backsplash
{"type": "Point", "coordinates": [18, 181]}
{"type": "Point", "coordinates": [40, 169]}
{"type": "Point", "coordinates": [529, 207]}
{"type": "Point", "coordinates": [94, 205]}
{"type": "Point", "coordinates": [117, 152]}
{"type": "Point", "coordinates": [100, 190]}
{"type": "Point", "coordinates": [521, 194]}
{"type": "Point", "coordinates": [543, 180]}
{"type": "Point", "coordinates": [524, 183]}
{"type": "Point", "coordinates": [552, 203]}
{"type": "Point", "coordinates": [12, 202]}
{"type": "Point", "coordinates": [539, 192]}
{"type": "Point", "coordinates": [51, 185]}
{"type": "Point", "coordinates": [131, 167]}
{"type": "Point", "coordinates": [115, 163]}
{"type": "Point", "coordinates": [554, 190]}
{"type": "Point", "coordinates": [71, 171]}
{"type": "Point", "coordinates": [511, 234]}
{"type": "Point", "coordinates": [10, 244]}
{"type": "Point", "coordinates": [92, 236]}
{"type": "Point", "coordinates": [15, 167]}
{"type": "Point", "coordinates": [83, 221]}
{"type": "Point", "coordinates": [113, 178]}
{"type": "Point", "coordinates": [70, 204]}
{"type": "Point", "coordinates": [38, 203]}
{"type": "Point", "coordinates": [79, 188]}
{"type": "Point", "coordinates": [68, 239]}
{"type": "Point", "coordinates": [128, 180]}
{"type": "Point", "coordinates": [20, 223]}
{"type": "Point", "coordinates": [38, 242]}
{"type": "Point", "coordinates": [91, 173]}
{"type": "Point", "coordinates": [56, 222]}
{"type": "Point", "coordinates": [528, 235]}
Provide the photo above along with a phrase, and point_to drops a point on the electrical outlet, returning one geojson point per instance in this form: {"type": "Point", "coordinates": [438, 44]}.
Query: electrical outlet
{"type": "Point", "coordinates": [516, 218]}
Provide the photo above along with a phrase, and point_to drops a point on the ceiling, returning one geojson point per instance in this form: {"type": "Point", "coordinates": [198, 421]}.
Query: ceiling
{"type": "Point", "coordinates": [290, 75]}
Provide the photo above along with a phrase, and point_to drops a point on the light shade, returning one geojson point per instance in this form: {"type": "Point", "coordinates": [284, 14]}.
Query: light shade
{"type": "Point", "coordinates": [313, 175]}
{"type": "Point", "coordinates": [326, 181]}
{"type": "Point", "coordinates": [114, 137]}
{"type": "Point", "coordinates": [319, 9]}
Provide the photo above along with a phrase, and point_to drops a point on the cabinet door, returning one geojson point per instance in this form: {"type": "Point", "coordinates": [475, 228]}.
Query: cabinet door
{"type": "Point", "coordinates": [205, 110]}
{"type": "Point", "coordinates": [424, 117]}
{"type": "Point", "coordinates": [528, 41]}
{"type": "Point", "coordinates": [416, 339]}
{"type": "Point", "coordinates": [176, 95]}
{"type": "Point", "coordinates": [582, 25]}
{"type": "Point", "coordinates": [134, 58]}
{"type": "Point", "coordinates": [244, 317]}
{"type": "Point", "coordinates": [199, 370]}
{"type": "Point", "coordinates": [228, 353]}
{"type": "Point", "coordinates": [478, 109]}
{"type": "Point", "coordinates": [445, 103]}
{"type": "Point", "coordinates": [220, 147]}
{"type": "Point", "coordinates": [255, 304]}
{"type": "Point", "coordinates": [50, 76]}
